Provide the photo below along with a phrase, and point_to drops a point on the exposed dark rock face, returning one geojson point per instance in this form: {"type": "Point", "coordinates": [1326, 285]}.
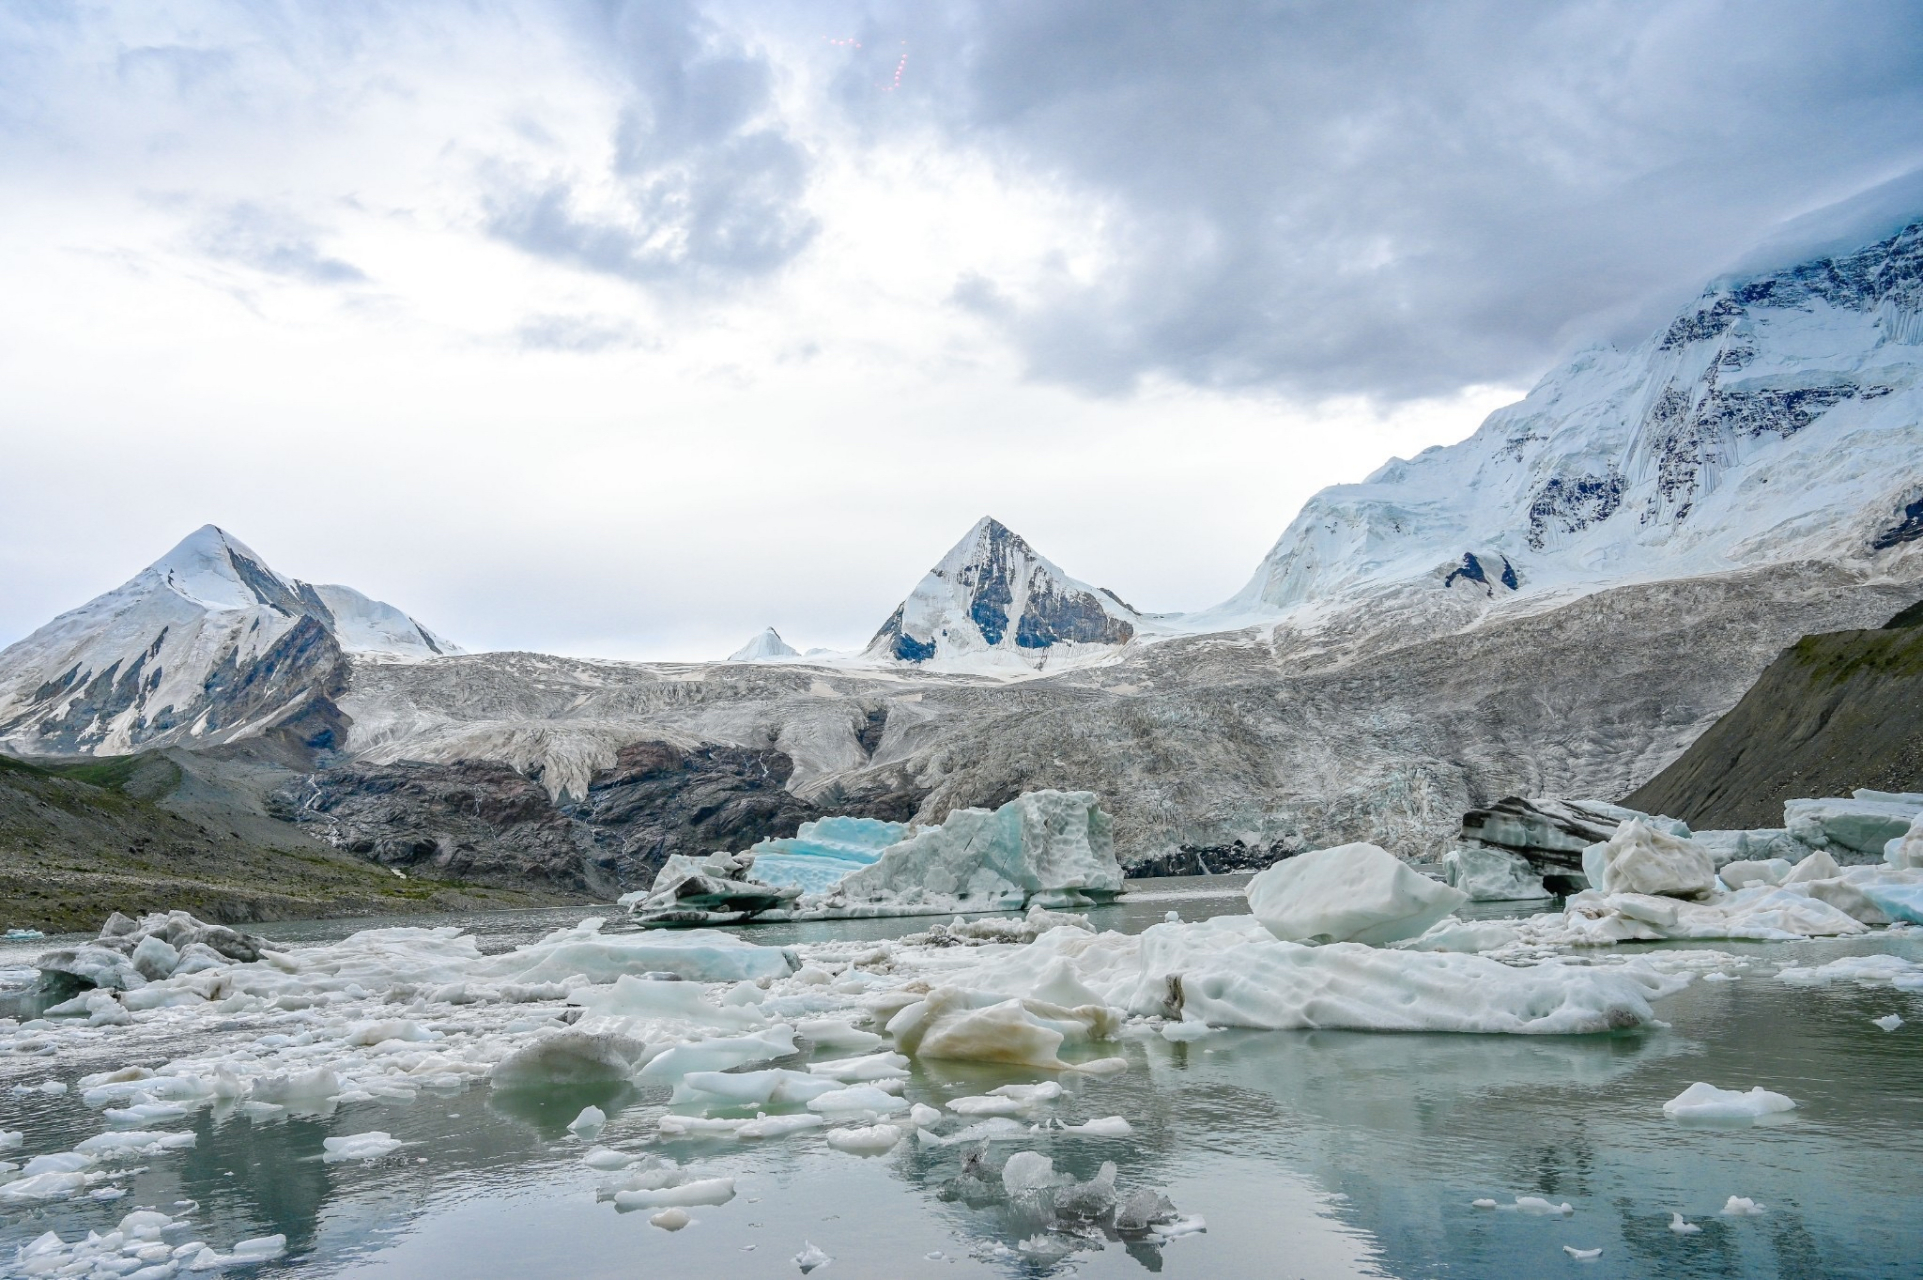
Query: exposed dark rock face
{"type": "Point", "coordinates": [1472, 570]}
{"type": "Point", "coordinates": [1908, 528]}
{"type": "Point", "coordinates": [1835, 712]}
{"type": "Point", "coordinates": [1214, 860]}
{"type": "Point", "coordinates": [486, 822]}
{"type": "Point", "coordinates": [1551, 834]}
{"type": "Point", "coordinates": [1570, 504]}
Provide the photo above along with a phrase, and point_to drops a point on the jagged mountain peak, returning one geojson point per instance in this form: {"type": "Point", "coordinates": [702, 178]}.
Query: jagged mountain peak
{"type": "Point", "coordinates": [993, 595]}
{"type": "Point", "coordinates": [208, 643]}
{"type": "Point", "coordinates": [763, 647]}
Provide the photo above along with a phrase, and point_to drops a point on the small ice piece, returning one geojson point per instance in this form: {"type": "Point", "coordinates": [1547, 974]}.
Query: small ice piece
{"type": "Point", "coordinates": [260, 1247]}
{"type": "Point", "coordinates": [1172, 917]}
{"type": "Point", "coordinates": [1890, 1023]}
{"type": "Point", "coordinates": [11, 1139]}
{"type": "Point", "coordinates": [875, 1066]}
{"type": "Point", "coordinates": [1186, 1032]}
{"type": "Point", "coordinates": [672, 1219]}
{"type": "Point", "coordinates": [867, 1140]}
{"type": "Point", "coordinates": [1540, 1207]}
{"type": "Point", "coordinates": [860, 1097]}
{"type": "Point", "coordinates": [568, 1057]}
{"type": "Point", "coordinates": [1706, 1102]}
{"type": "Point", "coordinates": [1029, 1170]}
{"type": "Point", "coordinates": [835, 1033]}
{"type": "Point", "coordinates": [1484, 1203]}
{"type": "Point", "coordinates": [1581, 1255]}
{"type": "Point", "coordinates": [811, 1257]}
{"type": "Point", "coordinates": [1100, 1066]}
{"type": "Point", "coordinates": [699, 1192]}
{"type": "Point", "coordinates": [722, 1053]}
{"type": "Point", "coordinates": [589, 1123]}
{"type": "Point", "coordinates": [1103, 1127]}
{"type": "Point", "coordinates": [1721, 977]}
{"type": "Point", "coordinates": [1740, 1207]}
{"type": "Point", "coordinates": [922, 1115]}
{"type": "Point", "coordinates": [779, 1126]}
{"type": "Point", "coordinates": [1682, 1226]}
{"type": "Point", "coordinates": [1350, 893]}
{"type": "Point", "coordinates": [359, 1146]}
{"type": "Point", "coordinates": [607, 1158]}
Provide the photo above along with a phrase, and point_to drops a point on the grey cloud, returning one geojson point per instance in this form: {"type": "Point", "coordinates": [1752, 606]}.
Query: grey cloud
{"type": "Point", "coordinates": [274, 242]}
{"type": "Point", "coordinates": [711, 183]}
{"type": "Point", "coordinates": [1393, 199]}
{"type": "Point", "coordinates": [579, 334]}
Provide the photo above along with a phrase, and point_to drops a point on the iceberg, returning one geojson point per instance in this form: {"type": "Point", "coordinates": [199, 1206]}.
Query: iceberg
{"type": "Point", "coordinates": [825, 852]}
{"type": "Point", "coordinates": [701, 955]}
{"type": "Point", "coordinates": [1491, 875]}
{"type": "Point", "coordinates": [1862, 825]}
{"type": "Point", "coordinates": [1905, 852]}
{"type": "Point", "coordinates": [1351, 893]}
{"type": "Point", "coordinates": [1640, 859]}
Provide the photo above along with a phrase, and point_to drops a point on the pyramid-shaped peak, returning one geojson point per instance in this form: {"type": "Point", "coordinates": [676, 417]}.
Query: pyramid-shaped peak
{"type": "Point", "coordinates": [768, 644]}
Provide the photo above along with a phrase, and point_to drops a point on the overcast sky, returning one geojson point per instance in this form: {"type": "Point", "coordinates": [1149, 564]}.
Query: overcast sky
{"type": "Point", "coordinates": [628, 329]}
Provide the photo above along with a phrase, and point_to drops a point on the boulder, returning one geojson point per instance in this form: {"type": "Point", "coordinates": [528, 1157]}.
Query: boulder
{"type": "Point", "coordinates": [1351, 893]}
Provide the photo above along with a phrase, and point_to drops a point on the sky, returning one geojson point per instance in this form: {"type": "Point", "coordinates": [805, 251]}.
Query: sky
{"type": "Point", "coordinates": [627, 329]}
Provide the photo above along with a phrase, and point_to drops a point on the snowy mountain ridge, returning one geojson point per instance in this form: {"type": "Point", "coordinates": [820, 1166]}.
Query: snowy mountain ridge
{"type": "Point", "coordinates": [206, 642]}
{"type": "Point", "coordinates": [995, 605]}
{"type": "Point", "coordinates": [1777, 418]}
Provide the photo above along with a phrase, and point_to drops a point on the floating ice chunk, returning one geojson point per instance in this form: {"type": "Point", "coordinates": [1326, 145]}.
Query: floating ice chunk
{"type": "Point", "coordinates": [12, 1139]}
{"type": "Point", "coordinates": [1055, 848]}
{"type": "Point", "coordinates": [154, 958]}
{"type": "Point", "coordinates": [632, 997]}
{"type": "Point", "coordinates": [701, 955]}
{"type": "Point", "coordinates": [42, 1186]}
{"type": "Point", "coordinates": [868, 1140]}
{"type": "Point", "coordinates": [1491, 875]}
{"type": "Point", "coordinates": [359, 1146]}
{"type": "Point", "coordinates": [1706, 1102]}
{"type": "Point", "coordinates": [1890, 1022]}
{"type": "Point", "coordinates": [704, 1126]}
{"type": "Point", "coordinates": [1102, 1127]}
{"type": "Point", "coordinates": [1860, 824]}
{"type": "Point", "coordinates": [145, 1113]}
{"type": "Point", "coordinates": [607, 1159]}
{"type": "Point", "coordinates": [975, 1026]}
{"type": "Point", "coordinates": [699, 1192]}
{"type": "Point", "coordinates": [922, 1115]}
{"type": "Point", "coordinates": [1028, 1171]}
{"type": "Point", "coordinates": [1484, 1203]}
{"type": "Point", "coordinates": [1905, 852]}
{"type": "Point", "coordinates": [779, 1126]}
{"type": "Point", "coordinates": [773, 1086]}
{"type": "Point", "coordinates": [1350, 893]}
{"type": "Point", "coordinates": [722, 1053]}
{"type": "Point", "coordinates": [1682, 1226]}
{"type": "Point", "coordinates": [1739, 875]}
{"type": "Point", "coordinates": [260, 1247]}
{"type": "Point", "coordinates": [1640, 859]}
{"type": "Point", "coordinates": [1187, 1032]}
{"type": "Point", "coordinates": [373, 1033]}
{"type": "Point", "coordinates": [589, 1123]}
{"type": "Point", "coordinates": [810, 1257]}
{"type": "Point", "coordinates": [296, 1088]}
{"type": "Point", "coordinates": [1899, 901]}
{"type": "Point", "coordinates": [1582, 1255]}
{"type": "Point", "coordinates": [860, 1097]}
{"type": "Point", "coordinates": [1539, 1207]}
{"type": "Point", "coordinates": [1740, 1207]}
{"type": "Point", "coordinates": [834, 1033]}
{"type": "Point", "coordinates": [1464, 937]}
{"type": "Point", "coordinates": [136, 1143]}
{"type": "Point", "coordinates": [1100, 1067]}
{"type": "Point", "coordinates": [570, 1057]}
{"type": "Point", "coordinates": [876, 1066]}
{"type": "Point", "coordinates": [670, 1219]}
{"type": "Point", "coordinates": [993, 1129]}
{"type": "Point", "coordinates": [58, 1162]}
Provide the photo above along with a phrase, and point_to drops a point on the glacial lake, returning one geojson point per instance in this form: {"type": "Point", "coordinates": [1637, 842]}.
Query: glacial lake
{"type": "Point", "coordinates": [1309, 1154]}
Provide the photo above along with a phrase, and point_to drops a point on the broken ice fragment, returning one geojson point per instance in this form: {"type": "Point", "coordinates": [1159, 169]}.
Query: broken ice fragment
{"type": "Point", "coordinates": [1740, 1207]}
{"type": "Point", "coordinates": [811, 1257]}
{"type": "Point", "coordinates": [1890, 1023]}
{"type": "Point", "coordinates": [671, 1219]}
{"type": "Point", "coordinates": [1706, 1102]}
{"type": "Point", "coordinates": [1581, 1255]}
{"type": "Point", "coordinates": [1682, 1226]}
{"type": "Point", "coordinates": [589, 1123]}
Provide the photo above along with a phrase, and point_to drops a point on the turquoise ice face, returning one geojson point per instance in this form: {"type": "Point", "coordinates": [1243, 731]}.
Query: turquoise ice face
{"type": "Point", "coordinates": [816, 858]}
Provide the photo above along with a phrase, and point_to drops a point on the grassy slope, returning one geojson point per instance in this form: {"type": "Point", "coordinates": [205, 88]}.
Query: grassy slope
{"type": "Point", "coordinates": [80, 840]}
{"type": "Point", "coordinates": [1835, 712]}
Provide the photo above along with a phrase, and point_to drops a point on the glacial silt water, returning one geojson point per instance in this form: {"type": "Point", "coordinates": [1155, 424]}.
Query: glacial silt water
{"type": "Point", "coordinates": [1308, 1154]}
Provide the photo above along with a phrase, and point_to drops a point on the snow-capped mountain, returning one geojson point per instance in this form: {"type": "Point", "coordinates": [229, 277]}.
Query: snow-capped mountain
{"type": "Point", "coordinates": [994, 598]}
{"type": "Point", "coordinates": [767, 645]}
{"type": "Point", "coordinates": [1777, 418]}
{"type": "Point", "coordinates": [206, 643]}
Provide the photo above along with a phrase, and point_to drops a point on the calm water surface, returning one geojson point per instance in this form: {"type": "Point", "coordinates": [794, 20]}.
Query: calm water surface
{"type": "Point", "coordinates": [1310, 1154]}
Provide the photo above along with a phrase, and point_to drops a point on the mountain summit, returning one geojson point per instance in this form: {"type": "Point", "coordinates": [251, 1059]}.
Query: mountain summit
{"type": "Point", "coordinates": [995, 594]}
{"type": "Point", "coordinates": [206, 643]}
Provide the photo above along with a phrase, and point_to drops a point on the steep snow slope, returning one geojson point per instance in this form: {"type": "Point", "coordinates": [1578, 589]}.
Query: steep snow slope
{"type": "Point", "coordinates": [1776, 419]}
{"type": "Point", "coordinates": [995, 604]}
{"type": "Point", "coordinates": [207, 643]}
{"type": "Point", "coordinates": [763, 647]}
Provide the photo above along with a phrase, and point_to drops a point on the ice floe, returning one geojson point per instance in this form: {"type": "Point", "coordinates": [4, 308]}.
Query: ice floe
{"type": "Point", "coordinates": [1491, 875]}
{"type": "Point", "coordinates": [1706, 1102]}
